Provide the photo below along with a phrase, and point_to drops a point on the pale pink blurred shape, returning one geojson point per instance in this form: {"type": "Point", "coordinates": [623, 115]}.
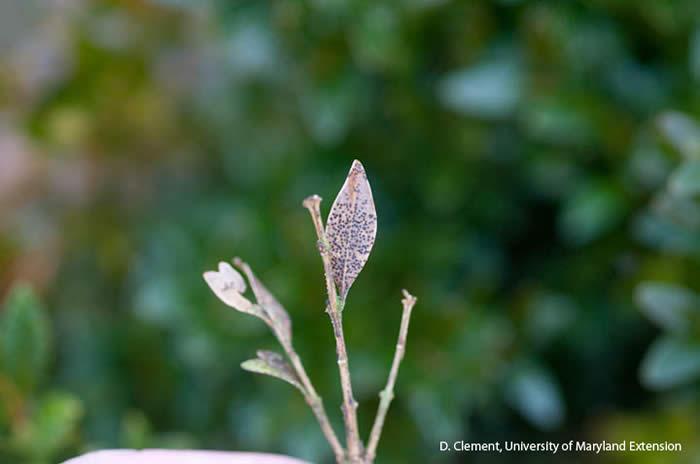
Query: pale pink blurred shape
{"type": "Point", "coordinates": [180, 457]}
{"type": "Point", "coordinates": [73, 179]}
{"type": "Point", "coordinates": [18, 163]}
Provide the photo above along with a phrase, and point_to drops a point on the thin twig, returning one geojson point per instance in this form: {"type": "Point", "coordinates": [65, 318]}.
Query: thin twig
{"type": "Point", "coordinates": [349, 407]}
{"type": "Point", "coordinates": [315, 402]}
{"type": "Point", "coordinates": [387, 394]}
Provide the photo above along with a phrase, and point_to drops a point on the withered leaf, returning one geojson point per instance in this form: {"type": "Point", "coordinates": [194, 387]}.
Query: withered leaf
{"type": "Point", "coordinates": [272, 364]}
{"type": "Point", "coordinates": [279, 318]}
{"type": "Point", "coordinates": [228, 285]}
{"type": "Point", "coordinates": [351, 228]}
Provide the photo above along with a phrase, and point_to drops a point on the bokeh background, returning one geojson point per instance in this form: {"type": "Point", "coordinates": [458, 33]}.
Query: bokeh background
{"type": "Point", "coordinates": [536, 170]}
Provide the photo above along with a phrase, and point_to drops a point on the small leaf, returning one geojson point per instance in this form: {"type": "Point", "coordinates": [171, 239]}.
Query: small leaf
{"type": "Point", "coordinates": [24, 338]}
{"type": "Point", "coordinates": [535, 394]}
{"type": "Point", "coordinates": [351, 228]}
{"type": "Point", "coordinates": [669, 306]}
{"type": "Point", "coordinates": [491, 89]}
{"type": "Point", "coordinates": [682, 132]}
{"type": "Point", "coordinates": [590, 211]}
{"type": "Point", "coordinates": [51, 427]}
{"type": "Point", "coordinates": [670, 362]}
{"type": "Point", "coordinates": [281, 323]}
{"type": "Point", "coordinates": [685, 181]}
{"type": "Point", "coordinates": [228, 277]}
{"type": "Point", "coordinates": [228, 284]}
{"type": "Point", "coordinates": [272, 364]}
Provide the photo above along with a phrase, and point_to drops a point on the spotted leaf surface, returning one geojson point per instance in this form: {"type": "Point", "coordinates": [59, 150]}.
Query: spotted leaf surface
{"type": "Point", "coordinates": [272, 364]}
{"type": "Point", "coordinates": [351, 228]}
{"type": "Point", "coordinates": [279, 318]}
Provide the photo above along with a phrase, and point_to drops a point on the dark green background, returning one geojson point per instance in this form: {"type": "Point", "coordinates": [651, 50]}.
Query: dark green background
{"type": "Point", "coordinates": [535, 172]}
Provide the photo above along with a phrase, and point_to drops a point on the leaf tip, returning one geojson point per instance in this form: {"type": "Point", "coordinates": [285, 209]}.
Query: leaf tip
{"type": "Point", "coordinates": [357, 170]}
{"type": "Point", "coordinates": [357, 164]}
{"type": "Point", "coordinates": [228, 285]}
{"type": "Point", "coordinates": [249, 365]}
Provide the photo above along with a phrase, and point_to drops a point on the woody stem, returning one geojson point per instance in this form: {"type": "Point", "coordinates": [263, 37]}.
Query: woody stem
{"type": "Point", "coordinates": [349, 406]}
{"type": "Point", "coordinates": [315, 402]}
{"type": "Point", "coordinates": [387, 395]}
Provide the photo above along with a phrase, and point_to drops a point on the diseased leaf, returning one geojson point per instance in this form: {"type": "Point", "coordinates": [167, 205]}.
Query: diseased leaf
{"type": "Point", "coordinates": [228, 284]}
{"type": "Point", "coordinates": [281, 323]}
{"type": "Point", "coordinates": [351, 228]}
{"type": "Point", "coordinates": [273, 364]}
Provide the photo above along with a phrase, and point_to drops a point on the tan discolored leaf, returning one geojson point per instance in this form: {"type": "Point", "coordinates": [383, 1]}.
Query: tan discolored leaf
{"type": "Point", "coordinates": [273, 364]}
{"type": "Point", "coordinates": [228, 284]}
{"type": "Point", "coordinates": [279, 318]}
{"type": "Point", "coordinates": [351, 228]}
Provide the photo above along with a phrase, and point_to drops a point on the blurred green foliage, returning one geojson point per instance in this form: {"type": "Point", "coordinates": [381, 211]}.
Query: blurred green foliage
{"type": "Point", "coordinates": [36, 426]}
{"type": "Point", "coordinates": [535, 169]}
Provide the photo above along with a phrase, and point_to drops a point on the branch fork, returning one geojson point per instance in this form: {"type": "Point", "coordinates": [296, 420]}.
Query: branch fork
{"type": "Point", "coordinates": [344, 246]}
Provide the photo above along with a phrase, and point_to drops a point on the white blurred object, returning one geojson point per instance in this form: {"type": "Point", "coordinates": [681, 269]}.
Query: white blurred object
{"type": "Point", "coordinates": [180, 457]}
